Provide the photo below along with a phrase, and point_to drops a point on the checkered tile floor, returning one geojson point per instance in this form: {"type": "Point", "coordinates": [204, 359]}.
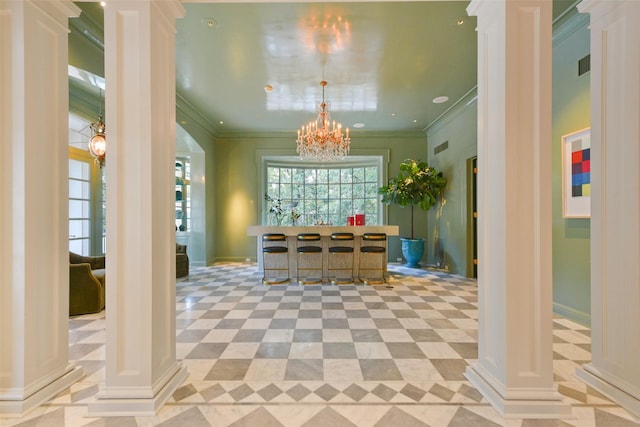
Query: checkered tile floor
{"type": "Point", "coordinates": [324, 355]}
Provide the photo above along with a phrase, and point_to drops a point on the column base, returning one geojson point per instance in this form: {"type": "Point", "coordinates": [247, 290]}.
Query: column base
{"type": "Point", "coordinates": [112, 406]}
{"type": "Point", "coordinates": [526, 404]}
{"type": "Point", "coordinates": [607, 386]}
{"type": "Point", "coordinates": [19, 408]}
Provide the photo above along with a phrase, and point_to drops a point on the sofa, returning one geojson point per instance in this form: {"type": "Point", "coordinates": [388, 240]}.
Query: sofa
{"type": "Point", "coordinates": [87, 281]}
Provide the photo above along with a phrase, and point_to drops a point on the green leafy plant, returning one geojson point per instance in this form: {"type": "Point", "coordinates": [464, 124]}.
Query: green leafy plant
{"type": "Point", "coordinates": [417, 184]}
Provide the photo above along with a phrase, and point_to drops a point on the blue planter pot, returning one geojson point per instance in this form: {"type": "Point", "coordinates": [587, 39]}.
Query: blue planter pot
{"type": "Point", "coordinates": [412, 251]}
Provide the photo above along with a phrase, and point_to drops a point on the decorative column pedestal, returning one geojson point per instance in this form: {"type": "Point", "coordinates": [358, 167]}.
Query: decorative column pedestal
{"type": "Point", "coordinates": [615, 201]}
{"type": "Point", "coordinates": [514, 370]}
{"type": "Point", "coordinates": [34, 215]}
{"type": "Point", "coordinates": [141, 367]}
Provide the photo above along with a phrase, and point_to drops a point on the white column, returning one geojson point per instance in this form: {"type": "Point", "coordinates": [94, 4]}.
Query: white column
{"type": "Point", "coordinates": [615, 201]}
{"type": "Point", "coordinates": [34, 258]}
{"type": "Point", "coordinates": [141, 367]}
{"type": "Point", "coordinates": [514, 371]}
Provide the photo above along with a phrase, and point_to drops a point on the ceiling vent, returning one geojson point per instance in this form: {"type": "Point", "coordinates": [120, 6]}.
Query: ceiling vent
{"type": "Point", "coordinates": [584, 65]}
{"type": "Point", "coordinates": [440, 148]}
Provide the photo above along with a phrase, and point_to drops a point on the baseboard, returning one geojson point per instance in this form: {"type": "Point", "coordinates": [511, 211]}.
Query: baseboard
{"type": "Point", "coordinates": [572, 314]}
{"type": "Point", "coordinates": [19, 408]}
{"type": "Point", "coordinates": [594, 378]}
{"type": "Point", "coordinates": [233, 259]}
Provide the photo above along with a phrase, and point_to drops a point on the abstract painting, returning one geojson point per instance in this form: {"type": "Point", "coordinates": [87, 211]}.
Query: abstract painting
{"type": "Point", "coordinates": [576, 174]}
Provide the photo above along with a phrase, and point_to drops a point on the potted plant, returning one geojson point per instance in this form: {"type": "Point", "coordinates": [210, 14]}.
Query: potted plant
{"type": "Point", "coordinates": [417, 184]}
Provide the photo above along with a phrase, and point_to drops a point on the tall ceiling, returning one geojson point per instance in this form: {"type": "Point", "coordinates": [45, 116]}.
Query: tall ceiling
{"type": "Point", "coordinates": [257, 67]}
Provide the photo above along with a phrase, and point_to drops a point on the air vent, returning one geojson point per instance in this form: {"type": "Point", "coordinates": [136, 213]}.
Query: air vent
{"type": "Point", "coordinates": [440, 148]}
{"type": "Point", "coordinates": [584, 65]}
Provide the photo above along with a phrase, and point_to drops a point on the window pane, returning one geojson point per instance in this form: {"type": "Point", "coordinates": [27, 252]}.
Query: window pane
{"type": "Point", "coordinates": [78, 228]}
{"type": "Point", "coordinates": [78, 189]}
{"type": "Point", "coordinates": [358, 175]}
{"type": "Point", "coordinates": [78, 169]}
{"type": "Point", "coordinates": [298, 176]}
{"type": "Point", "coordinates": [310, 176]}
{"type": "Point", "coordinates": [334, 176]}
{"type": "Point", "coordinates": [79, 246]}
{"type": "Point", "coordinates": [371, 174]}
{"type": "Point", "coordinates": [334, 191]}
{"type": "Point", "coordinates": [346, 191]}
{"type": "Point", "coordinates": [78, 209]}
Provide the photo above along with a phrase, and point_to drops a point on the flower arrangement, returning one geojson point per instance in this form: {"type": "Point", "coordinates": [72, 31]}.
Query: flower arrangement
{"type": "Point", "coordinates": [275, 209]}
{"type": "Point", "coordinates": [417, 184]}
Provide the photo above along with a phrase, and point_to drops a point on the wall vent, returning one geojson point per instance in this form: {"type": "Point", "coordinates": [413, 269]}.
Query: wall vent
{"type": "Point", "coordinates": [440, 148]}
{"type": "Point", "coordinates": [584, 65]}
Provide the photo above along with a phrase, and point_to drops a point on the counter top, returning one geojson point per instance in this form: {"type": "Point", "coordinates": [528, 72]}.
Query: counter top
{"type": "Point", "coordinates": [323, 230]}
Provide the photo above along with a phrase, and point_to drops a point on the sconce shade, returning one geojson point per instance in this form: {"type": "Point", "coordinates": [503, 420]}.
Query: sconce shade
{"type": "Point", "coordinates": [98, 144]}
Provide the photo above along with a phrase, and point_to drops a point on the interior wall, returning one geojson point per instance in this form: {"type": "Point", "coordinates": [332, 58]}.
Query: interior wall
{"type": "Point", "coordinates": [571, 236]}
{"type": "Point", "coordinates": [237, 185]}
{"type": "Point", "coordinates": [203, 210]}
{"type": "Point", "coordinates": [447, 239]}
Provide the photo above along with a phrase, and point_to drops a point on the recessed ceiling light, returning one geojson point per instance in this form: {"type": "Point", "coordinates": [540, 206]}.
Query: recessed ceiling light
{"type": "Point", "coordinates": [221, 122]}
{"type": "Point", "coordinates": [103, 3]}
{"type": "Point", "coordinates": [268, 88]}
{"type": "Point", "coordinates": [209, 22]}
{"type": "Point", "coordinates": [440, 99]}
{"type": "Point", "coordinates": [393, 114]}
{"type": "Point", "coordinates": [460, 21]}
{"type": "Point", "coordinates": [415, 121]}
{"type": "Point", "coordinates": [358, 125]}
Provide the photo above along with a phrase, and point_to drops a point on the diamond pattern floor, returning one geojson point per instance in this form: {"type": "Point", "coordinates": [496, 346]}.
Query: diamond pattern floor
{"type": "Point", "coordinates": [324, 355]}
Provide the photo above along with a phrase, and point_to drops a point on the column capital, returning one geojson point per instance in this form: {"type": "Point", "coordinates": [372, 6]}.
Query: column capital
{"type": "Point", "coordinates": [170, 9]}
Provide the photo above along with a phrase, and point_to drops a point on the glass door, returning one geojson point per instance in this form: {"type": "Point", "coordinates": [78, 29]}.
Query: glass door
{"type": "Point", "coordinates": [79, 207]}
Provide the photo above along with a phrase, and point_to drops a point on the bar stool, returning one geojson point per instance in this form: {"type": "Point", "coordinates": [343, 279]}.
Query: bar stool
{"type": "Point", "coordinates": [275, 257]}
{"type": "Point", "coordinates": [309, 257]}
{"type": "Point", "coordinates": [372, 258]}
{"type": "Point", "coordinates": [336, 262]}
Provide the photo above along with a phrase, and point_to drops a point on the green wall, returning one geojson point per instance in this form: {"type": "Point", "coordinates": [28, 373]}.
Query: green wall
{"type": "Point", "coordinates": [448, 221]}
{"type": "Point", "coordinates": [238, 194]}
{"type": "Point", "coordinates": [571, 236]}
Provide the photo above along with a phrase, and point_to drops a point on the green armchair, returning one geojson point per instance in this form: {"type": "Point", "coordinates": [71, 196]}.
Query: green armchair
{"type": "Point", "coordinates": [182, 260]}
{"type": "Point", "coordinates": [86, 284]}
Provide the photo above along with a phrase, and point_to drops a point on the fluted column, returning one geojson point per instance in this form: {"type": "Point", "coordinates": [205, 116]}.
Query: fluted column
{"type": "Point", "coordinates": [34, 258]}
{"type": "Point", "coordinates": [514, 370]}
{"type": "Point", "coordinates": [141, 367]}
{"type": "Point", "coordinates": [615, 201]}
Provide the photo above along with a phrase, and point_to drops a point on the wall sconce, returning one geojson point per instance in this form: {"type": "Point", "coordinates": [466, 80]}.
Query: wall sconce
{"type": "Point", "coordinates": [97, 143]}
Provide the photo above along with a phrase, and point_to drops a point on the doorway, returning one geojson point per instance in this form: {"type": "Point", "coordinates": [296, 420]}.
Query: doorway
{"type": "Point", "coordinates": [472, 217]}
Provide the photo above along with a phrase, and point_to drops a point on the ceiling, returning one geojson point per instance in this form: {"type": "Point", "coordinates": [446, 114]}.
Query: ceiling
{"type": "Point", "coordinates": [385, 62]}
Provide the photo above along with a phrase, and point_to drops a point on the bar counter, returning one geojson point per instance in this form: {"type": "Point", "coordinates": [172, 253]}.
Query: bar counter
{"type": "Point", "coordinates": [325, 231]}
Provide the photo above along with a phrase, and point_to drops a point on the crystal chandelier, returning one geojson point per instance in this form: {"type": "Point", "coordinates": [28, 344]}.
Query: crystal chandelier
{"type": "Point", "coordinates": [322, 140]}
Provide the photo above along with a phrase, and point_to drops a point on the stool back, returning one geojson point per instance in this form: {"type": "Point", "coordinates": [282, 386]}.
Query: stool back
{"type": "Point", "coordinates": [341, 236]}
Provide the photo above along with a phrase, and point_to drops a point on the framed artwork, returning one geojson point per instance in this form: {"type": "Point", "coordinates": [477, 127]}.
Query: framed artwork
{"type": "Point", "coordinates": [576, 174]}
